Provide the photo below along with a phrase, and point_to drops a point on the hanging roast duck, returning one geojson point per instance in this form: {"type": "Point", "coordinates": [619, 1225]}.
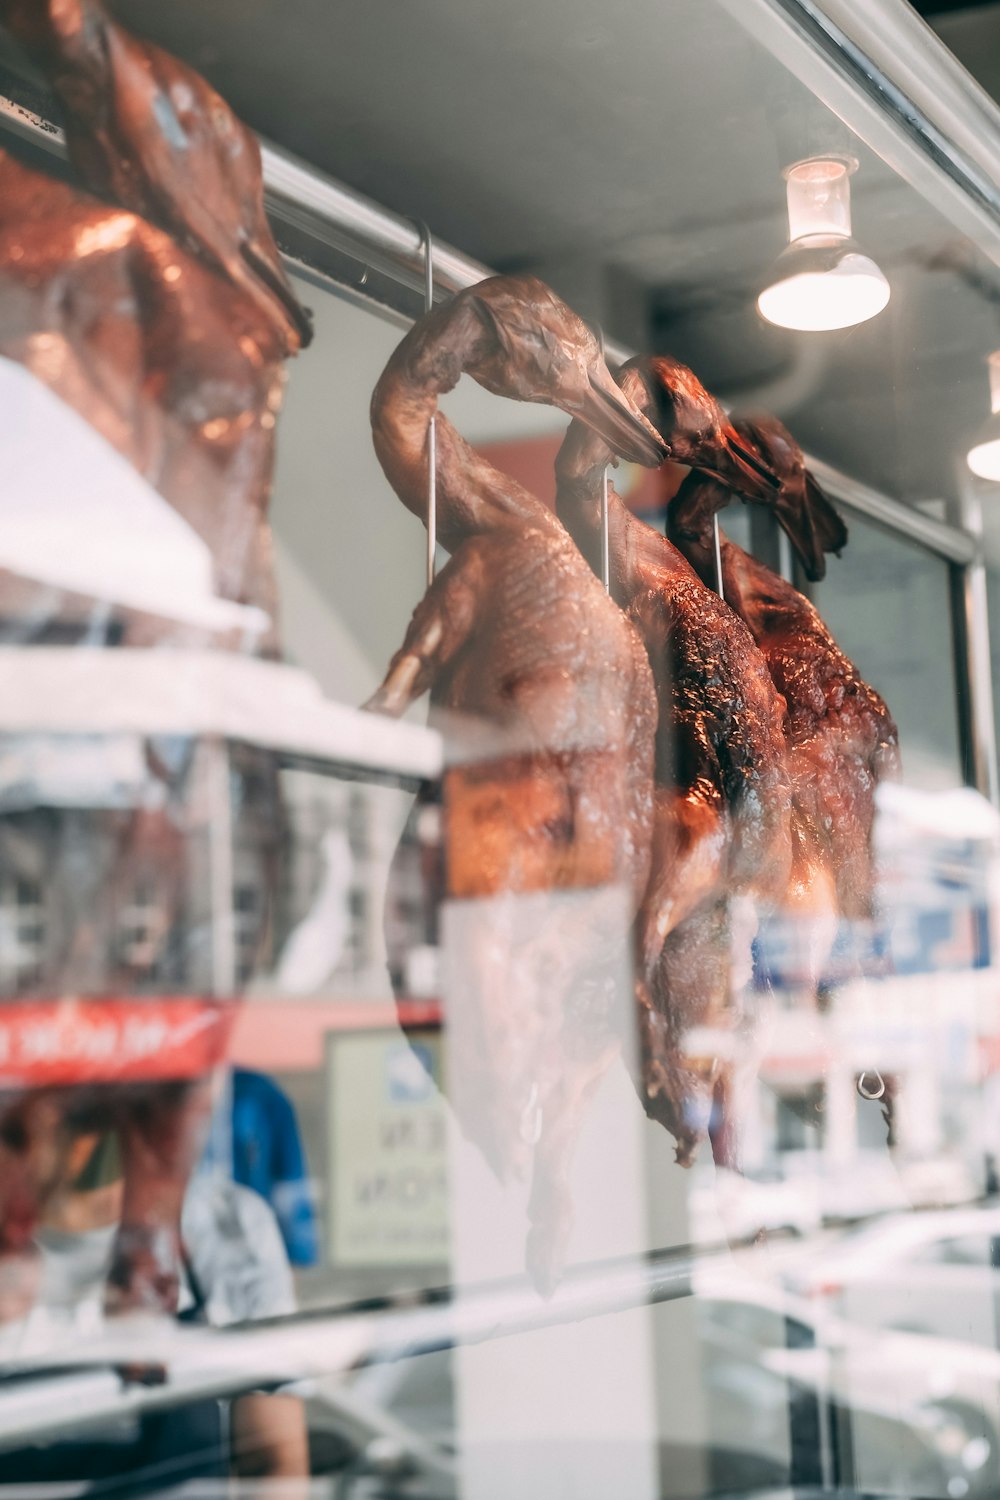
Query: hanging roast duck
{"type": "Point", "coordinates": [547, 824]}
{"type": "Point", "coordinates": [151, 302]}
{"type": "Point", "coordinates": [841, 737]}
{"type": "Point", "coordinates": [722, 800]}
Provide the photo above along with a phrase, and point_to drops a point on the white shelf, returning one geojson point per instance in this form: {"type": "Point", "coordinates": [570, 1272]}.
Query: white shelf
{"type": "Point", "coordinates": [74, 690]}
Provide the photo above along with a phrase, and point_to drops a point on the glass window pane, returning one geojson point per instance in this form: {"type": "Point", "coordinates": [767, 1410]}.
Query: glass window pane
{"type": "Point", "coordinates": [430, 1103]}
{"type": "Point", "coordinates": [888, 604]}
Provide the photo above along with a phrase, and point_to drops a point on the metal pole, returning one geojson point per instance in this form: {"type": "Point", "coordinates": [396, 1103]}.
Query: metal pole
{"type": "Point", "coordinates": [605, 532]}
{"type": "Point", "coordinates": [718, 556]}
{"type": "Point", "coordinates": [428, 247]}
{"type": "Point", "coordinates": [220, 857]}
{"type": "Point", "coordinates": [201, 1361]}
{"type": "Point", "coordinates": [973, 653]}
{"type": "Point", "coordinates": [605, 506]}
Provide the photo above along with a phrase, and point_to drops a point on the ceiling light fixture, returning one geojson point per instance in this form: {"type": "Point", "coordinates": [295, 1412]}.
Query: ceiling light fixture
{"type": "Point", "coordinates": [984, 455]}
{"type": "Point", "coordinates": [823, 279]}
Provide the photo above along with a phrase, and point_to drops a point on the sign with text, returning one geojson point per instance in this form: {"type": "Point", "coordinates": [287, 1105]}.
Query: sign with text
{"type": "Point", "coordinates": [91, 1039]}
{"type": "Point", "coordinates": [388, 1149]}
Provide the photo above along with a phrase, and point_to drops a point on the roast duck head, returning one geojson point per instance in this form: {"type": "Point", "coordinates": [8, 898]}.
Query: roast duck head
{"type": "Point", "coordinates": [537, 349]}
{"type": "Point", "coordinates": [803, 511]}
{"type": "Point", "coordinates": [808, 518]}
{"type": "Point", "coordinates": [695, 428]}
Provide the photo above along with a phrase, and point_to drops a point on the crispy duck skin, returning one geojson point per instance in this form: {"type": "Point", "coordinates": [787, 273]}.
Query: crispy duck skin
{"type": "Point", "coordinates": [841, 738]}
{"type": "Point", "coordinates": [517, 636]}
{"type": "Point", "coordinates": [152, 301]}
{"type": "Point", "coordinates": [722, 799]}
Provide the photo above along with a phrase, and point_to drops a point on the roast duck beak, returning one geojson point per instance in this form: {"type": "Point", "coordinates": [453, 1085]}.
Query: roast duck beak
{"type": "Point", "coordinates": [809, 519]}
{"type": "Point", "coordinates": [743, 471]}
{"type": "Point", "coordinates": [824, 528]}
{"type": "Point", "coordinates": [608, 411]}
{"type": "Point", "coordinates": [260, 265]}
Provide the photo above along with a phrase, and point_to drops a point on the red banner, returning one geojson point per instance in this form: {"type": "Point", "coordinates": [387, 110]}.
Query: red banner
{"type": "Point", "coordinates": [48, 1043]}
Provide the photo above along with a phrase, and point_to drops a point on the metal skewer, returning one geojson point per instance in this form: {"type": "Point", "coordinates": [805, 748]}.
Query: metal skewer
{"type": "Point", "coordinates": [605, 539]}
{"type": "Point", "coordinates": [428, 248]}
{"type": "Point", "coordinates": [605, 505]}
{"type": "Point", "coordinates": [718, 555]}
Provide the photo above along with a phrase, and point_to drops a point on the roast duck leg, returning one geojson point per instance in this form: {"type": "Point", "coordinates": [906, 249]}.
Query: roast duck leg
{"type": "Point", "coordinates": [840, 735]}
{"type": "Point", "coordinates": [721, 823]}
{"type": "Point", "coordinates": [151, 301]}
{"type": "Point", "coordinates": [547, 823]}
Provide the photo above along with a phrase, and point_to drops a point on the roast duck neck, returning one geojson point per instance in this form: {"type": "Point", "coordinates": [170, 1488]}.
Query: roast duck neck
{"type": "Point", "coordinates": [636, 552]}
{"type": "Point", "coordinates": [806, 515]}
{"type": "Point", "coordinates": [149, 134]}
{"type": "Point", "coordinates": [515, 338]}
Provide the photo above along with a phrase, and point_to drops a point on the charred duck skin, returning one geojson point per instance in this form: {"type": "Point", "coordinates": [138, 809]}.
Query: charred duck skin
{"type": "Point", "coordinates": [517, 638]}
{"type": "Point", "coordinates": [721, 800]}
{"type": "Point", "coordinates": [841, 738]}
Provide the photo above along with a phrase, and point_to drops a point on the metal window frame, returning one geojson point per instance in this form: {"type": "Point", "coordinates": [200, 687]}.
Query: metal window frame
{"type": "Point", "coordinates": [877, 65]}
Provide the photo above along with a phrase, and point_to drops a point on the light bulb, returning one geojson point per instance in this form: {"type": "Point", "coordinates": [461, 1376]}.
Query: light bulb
{"type": "Point", "coordinates": [984, 460]}
{"type": "Point", "coordinates": [852, 291]}
{"type": "Point", "coordinates": [823, 280]}
{"type": "Point", "coordinates": [984, 455]}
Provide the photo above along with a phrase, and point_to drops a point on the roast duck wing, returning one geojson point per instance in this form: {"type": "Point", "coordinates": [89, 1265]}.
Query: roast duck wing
{"type": "Point", "coordinates": [721, 820]}
{"type": "Point", "coordinates": [841, 737]}
{"type": "Point", "coordinates": [152, 303]}
{"type": "Point", "coordinates": [547, 818]}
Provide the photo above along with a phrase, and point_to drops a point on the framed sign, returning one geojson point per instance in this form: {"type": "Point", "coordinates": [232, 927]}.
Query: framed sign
{"type": "Point", "coordinates": [387, 1193]}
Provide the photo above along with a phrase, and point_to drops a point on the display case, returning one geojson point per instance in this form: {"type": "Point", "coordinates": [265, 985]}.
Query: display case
{"type": "Point", "coordinates": [475, 1105]}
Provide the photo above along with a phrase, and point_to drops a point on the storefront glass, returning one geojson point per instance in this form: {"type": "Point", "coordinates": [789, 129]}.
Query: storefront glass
{"type": "Point", "coordinates": [370, 1115]}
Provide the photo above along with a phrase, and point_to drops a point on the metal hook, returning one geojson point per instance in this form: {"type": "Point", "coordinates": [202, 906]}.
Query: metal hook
{"type": "Point", "coordinates": [605, 502]}
{"type": "Point", "coordinates": [427, 245]}
{"type": "Point", "coordinates": [867, 1093]}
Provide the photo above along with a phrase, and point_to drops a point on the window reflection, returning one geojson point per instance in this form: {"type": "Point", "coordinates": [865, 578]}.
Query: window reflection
{"type": "Point", "coordinates": [888, 603]}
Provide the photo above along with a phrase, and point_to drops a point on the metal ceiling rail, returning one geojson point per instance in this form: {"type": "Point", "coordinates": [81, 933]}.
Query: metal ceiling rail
{"type": "Point", "coordinates": [299, 196]}
{"type": "Point", "coordinates": [334, 216]}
